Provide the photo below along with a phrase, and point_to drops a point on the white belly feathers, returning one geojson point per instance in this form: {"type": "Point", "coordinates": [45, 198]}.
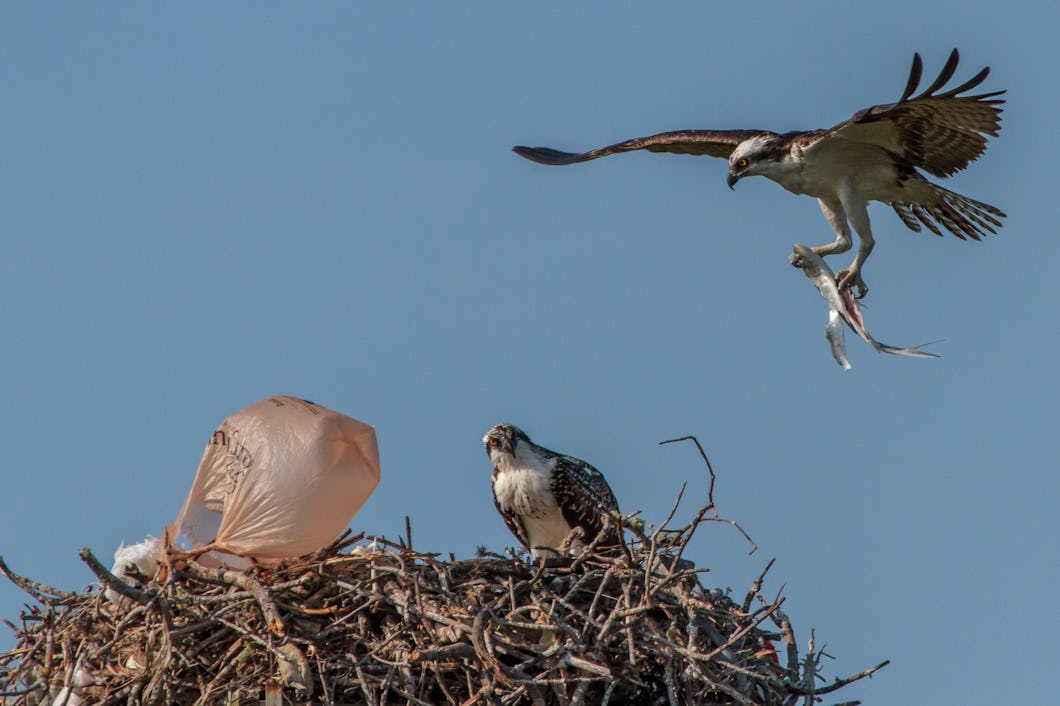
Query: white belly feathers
{"type": "Point", "coordinates": [527, 494]}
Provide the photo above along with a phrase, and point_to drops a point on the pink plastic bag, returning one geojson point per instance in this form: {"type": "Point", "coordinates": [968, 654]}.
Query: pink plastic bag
{"type": "Point", "coordinates": [279, 479]}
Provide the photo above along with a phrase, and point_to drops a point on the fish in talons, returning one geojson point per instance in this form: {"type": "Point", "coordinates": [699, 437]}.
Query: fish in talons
{"type": "Point", "coordinates": [842, 308]}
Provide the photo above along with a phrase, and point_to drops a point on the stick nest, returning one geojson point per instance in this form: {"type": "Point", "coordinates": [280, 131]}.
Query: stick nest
{"type": "Point", "coordinates": [384, 624]}
{"type": "Point", "coordinates": [391, 625]}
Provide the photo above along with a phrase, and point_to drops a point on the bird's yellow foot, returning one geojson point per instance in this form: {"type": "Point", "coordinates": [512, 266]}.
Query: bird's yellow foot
{"type": "Point", "coordinates": [851, 279]}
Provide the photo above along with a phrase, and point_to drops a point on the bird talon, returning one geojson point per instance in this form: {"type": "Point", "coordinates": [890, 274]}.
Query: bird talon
{"type": "Point", "coordinates": [851, 279]}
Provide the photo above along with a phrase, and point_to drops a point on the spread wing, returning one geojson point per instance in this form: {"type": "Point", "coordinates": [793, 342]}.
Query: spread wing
{"type": "Point", "coordinates": [941, 133]}
{"type": "Point", "coordinates": [713, 143]}
{"type": "Point", "coordinates": [583, 495]}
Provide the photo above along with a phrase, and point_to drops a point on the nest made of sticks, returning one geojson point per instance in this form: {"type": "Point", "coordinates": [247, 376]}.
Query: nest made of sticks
{"type": "Point", "coordinates": [386, 624]}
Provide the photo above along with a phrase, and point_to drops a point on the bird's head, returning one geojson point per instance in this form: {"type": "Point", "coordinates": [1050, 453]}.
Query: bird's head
{"type": "Point", "coordinates": [502, 439]}
{"type": "Point", "coordinates": [755, 156]}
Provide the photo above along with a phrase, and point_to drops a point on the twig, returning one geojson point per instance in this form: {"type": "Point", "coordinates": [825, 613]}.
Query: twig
{"type": "Point", "coordinates": [756, 587]}
{"type": "Point", "coordinates": [40, 591]}
{"type": "Point", "coordinates": [839, 683]}
{"type": "Point", "coordinates": [249, 584]}
{"type": "Point", "coordinates": [710, 469]}
{"type": "Point", "coordinates": [788, 633]}
{"type": "Point", "coordinates": [709, 508]}
{"type": "Point", "coordinates": [569, 660]}
{"type": "Point", "coordinates": [677, 502]}
{"type": "Point", "coordinates": [112, 581]}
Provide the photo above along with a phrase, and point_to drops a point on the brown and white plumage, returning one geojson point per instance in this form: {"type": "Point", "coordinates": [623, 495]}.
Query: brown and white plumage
{"type": "Point", "coordinates": [712, 143]}
{"type": "Point", "coordinates": [876, 155]}
{"type": "Point", "coordinates": [543, 495]}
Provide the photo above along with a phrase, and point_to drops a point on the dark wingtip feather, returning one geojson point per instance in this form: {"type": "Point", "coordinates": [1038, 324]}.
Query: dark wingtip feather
{"type": "Point", "coordinates": [944, 76]}
{"type": "Point", "coordinates": [547, 155]}
{"type": "Point", "coordinates": [915, 72]}
{"type": "Point", "coordinates": [969, 84]}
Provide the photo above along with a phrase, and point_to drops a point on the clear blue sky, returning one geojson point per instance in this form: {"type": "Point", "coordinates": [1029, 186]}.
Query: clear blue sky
{"type": "Point", "coordinates": [205, 207]}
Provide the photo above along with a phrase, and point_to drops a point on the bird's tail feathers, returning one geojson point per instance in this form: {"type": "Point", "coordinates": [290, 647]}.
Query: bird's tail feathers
{"type": "Point", "coordinates": [960, 215]}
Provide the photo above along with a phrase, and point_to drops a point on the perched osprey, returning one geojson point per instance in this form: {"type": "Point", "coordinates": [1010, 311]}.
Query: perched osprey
{"type": "Point", "coordinates": [876, 155]}
{"type": "Point", "coordinates": [543, 495]}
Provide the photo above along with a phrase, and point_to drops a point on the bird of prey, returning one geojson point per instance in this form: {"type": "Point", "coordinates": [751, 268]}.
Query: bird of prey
{"type": "Point", "coordinates": [876, 155]}
{"type": "Point", "coordinates": [543, 495]}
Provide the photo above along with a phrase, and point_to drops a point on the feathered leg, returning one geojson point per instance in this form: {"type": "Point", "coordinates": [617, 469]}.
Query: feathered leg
{"type": "Point", "coordinates": [858, 214]}
{"type": "Point", "coordinates": [836, 216]}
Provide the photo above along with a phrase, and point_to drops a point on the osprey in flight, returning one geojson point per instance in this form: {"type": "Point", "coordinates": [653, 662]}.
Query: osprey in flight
{"type": "Point", "coordinates": [543, 495]}
{"type": "Point", "coordinates": [876, 155]}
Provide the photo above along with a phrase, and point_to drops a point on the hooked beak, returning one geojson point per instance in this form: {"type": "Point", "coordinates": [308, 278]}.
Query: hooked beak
{"type": "Point", "coordinates": [732, 179]}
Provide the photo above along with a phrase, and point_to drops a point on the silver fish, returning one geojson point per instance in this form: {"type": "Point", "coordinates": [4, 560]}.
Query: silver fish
{"type": "Point", "coordinates": [833, 331]}
{"type": "Point", "coordinates": [844, 304]}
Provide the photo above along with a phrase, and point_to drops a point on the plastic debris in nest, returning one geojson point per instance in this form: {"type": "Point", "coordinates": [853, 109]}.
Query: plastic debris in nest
{"type": "Point", "coordinates": [278, 479]}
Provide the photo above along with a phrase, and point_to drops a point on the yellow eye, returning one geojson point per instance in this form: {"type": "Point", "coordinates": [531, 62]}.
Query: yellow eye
{"type": "Point", "coordinates": [742, 163]}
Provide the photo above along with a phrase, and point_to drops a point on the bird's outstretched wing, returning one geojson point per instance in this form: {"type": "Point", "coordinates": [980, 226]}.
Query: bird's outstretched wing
{"type": "Point", "coordinates": [583, 495]}
{"type": "Point", "coordinates": [713, 143]}
{"type": "Point", "coordinates": [941, 133]}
